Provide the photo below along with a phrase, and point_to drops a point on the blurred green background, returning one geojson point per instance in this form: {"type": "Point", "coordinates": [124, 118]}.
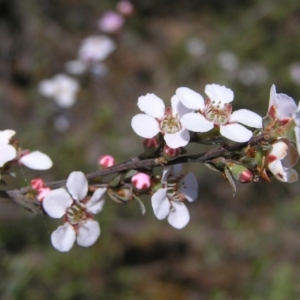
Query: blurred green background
{"type": "Point", "coordinates": [242, 247]}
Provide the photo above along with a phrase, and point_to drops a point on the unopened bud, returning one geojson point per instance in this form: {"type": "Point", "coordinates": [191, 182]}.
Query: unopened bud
{"type": "Point", "coordinates": [172, 152]}
{"type": "Point", "coordinates": [37, 183]}
{"type": "Point", "coordinates": [106, 161]}
{"type": "Point", "coordinates": [240, 173]}
{"type": "Point", "coordinates": [152, 143]}
{"type": "Point", "coordinates": [141, 181]}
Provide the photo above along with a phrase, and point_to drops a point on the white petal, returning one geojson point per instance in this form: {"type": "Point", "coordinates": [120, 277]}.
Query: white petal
{"type": "Point", "coordinates": [47, 88]}
{"type": "Point", "coordinates": [145, 126]}
{"type": "Point", "coordinates": [7, 153]}
{"type": "Point", "coordinates": [178, 139]}
{"type": "Point", "coordinates": [219, 93]}
{"type": "Point", "coordinates": [281, 173]}
{"type": "Point", "coordinates": [88, 233]}
{"type": "Point", "coordinates": [291, 175]}
{"type": "Point", "coordinates": [196, 122]}
{"type": "Point", "coordinates": [171, 171]}
{"type": "Point", "coordinates": [236, 132]}
{"type": "Point", "coordinates": [286, 106]}
{"type": "Point", "coordinates": [63, 238]}
{"type": "Point", "coordinates": [36, 160]}
{"type": "Point", "coordinates": [190, 98]}
{"type": "Point", "coordinates": [291, 158]}
{"type": "Point", "coordinates": [296, 116]}
{"type": "Point", "coordinates": [77, 185]}
{"type": "Point", "coordinates": [176, 170]}
{"type": "Point", "coordinates": [189, 186]}
{"type": "Point", "coordinates": [297, 134]}
{"type": "Point", "coordinates": [5, 136]}
{"type": "Point", "coordinates": [160, 204]}
{"type": "Point", "coordinates": [57, 202]}
{"type": "Point", "coordinates": [65, 100]}
{"type": "Point", "coordinates": [179, 215]}
{"type": "Point", "coordinates": [75, 67]}
{"type": "Point", "coordinates": [152, 106]}
{"type": "Point", "coordinates": [272, 96]}
{"type": "Point", "coordinates": [280, 149]}
{"type": "Point", "coordinates": [246, 117]}
{"type": "Point", "coordinates": [95, 204]}
{"type": "Point", "coordinates": [178, 108]}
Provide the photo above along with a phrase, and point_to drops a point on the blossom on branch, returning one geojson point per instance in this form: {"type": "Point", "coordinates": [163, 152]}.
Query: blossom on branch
{"type": "Point", "coordinates": [35, 160]}
{"type": "Point", "coordinates": [7, 151]}
{"type": "Point", "coordinates": [158, 118]}
{"type": "Point", "coordinates": [62, 88]}
{"type": "Point", "coordinates": [77, 211]}
{"type": "Point", "coordinates": [176, 188]}
{"type": "Point", "coordinates": [216, 111]}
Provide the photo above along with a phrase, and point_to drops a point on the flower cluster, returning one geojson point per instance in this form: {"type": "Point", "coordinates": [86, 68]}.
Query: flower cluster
{"type": "Point", "coordinates": [190, 112]}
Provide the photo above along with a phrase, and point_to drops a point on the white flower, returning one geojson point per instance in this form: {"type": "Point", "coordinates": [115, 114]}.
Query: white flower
{"type": "Point", "coordinates": [95, 48]}
{"type": "Point", "coordinates": [282, 157]}
{"type": "Point", "coordinates": [7, 151]}
{"type": "Point", "coordinates": [158, 118]}
{"type": "Point", "coordinates": [217, 112]}
{"type": "Point", "coordinates": [77, 211]}
{"type": "Point", "coordinates": [168, 201]}
{"type": "Point", "coordinates": [62, 88]}
{"type": "Point", "coordinates": [36, 160]}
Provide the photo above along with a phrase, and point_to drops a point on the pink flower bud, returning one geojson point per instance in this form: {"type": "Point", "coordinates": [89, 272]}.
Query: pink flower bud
{"type": "Point", "coordinates": [141, 181]}
{"type": "Point", "coordinates": [246, 176]}
{"type": "Point", "coordinates": [106, 161]}
{"type": "Point", "coordinates": [172, 152]}
{"type": "Point", "coordinates": [42, 193]}
{"type": "Point", "coordinates": [111, 22]}
{"type": "Point", "coordinates": [125, 7]}
{"type": "Point", "coordinates": [151, 143]}
{"type": "Point", "coordinates": [37, 183]}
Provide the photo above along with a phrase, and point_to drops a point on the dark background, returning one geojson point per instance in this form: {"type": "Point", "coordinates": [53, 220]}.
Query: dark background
{"type": "Point", "coordinates": [242, 247]}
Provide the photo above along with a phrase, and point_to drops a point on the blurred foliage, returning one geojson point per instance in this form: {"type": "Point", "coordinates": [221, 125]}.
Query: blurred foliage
{"type": "Point", "coordinates": [246, 247]}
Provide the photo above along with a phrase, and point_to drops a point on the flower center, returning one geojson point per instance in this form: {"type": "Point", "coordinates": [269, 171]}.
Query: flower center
{"type": "Point", "coordinates": [217, 113]}
{"type": "Point", "coordinates": [76, 213]}
{"type": "Point", "coordinates": [173, 192]}
{"type": "Point", "coordinates": [170, 124]}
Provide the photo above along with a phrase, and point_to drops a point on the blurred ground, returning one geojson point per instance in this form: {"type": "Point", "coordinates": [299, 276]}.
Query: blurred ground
{"type": "Point", "coordinates": [246, 247]}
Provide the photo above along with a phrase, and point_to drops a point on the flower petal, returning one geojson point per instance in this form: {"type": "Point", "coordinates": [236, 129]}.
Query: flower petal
{"type": "Point", "coordinates": [196, 122]}
{"type": "Point", "coordinates": [5, 136]}
{"type": "Point", "coordinates": [189, 186]}
{"type": "Point", "coordinates": [179, 215]}
{"type": "Point", "coordinates": [145, 126]}
{"type": "Point", "coordinates": [246, 117]}
{"type": "Point", "coordinates": [285, 105]}
{"type": "Point", "coordinates": [7, 153]}
{"type": "Point", "coordinates": [280, 149]}
{"type": "Point", "coordinates": [160, 204]}
{"type": "Point", "coordinates": [65, 100]}
{"type": "Point", "coordinates": [272, 96]}
{"type": "Point", "coordinates": [282, 174]}
{"type": "Point", "coordinates": [95, 204]}
{"type": "Point", "coordinates": [297, 134]}
{"type": "Point", "coordinates": [236, 132]}
{"type": "Point", "coordinates": [219, 93]}
{"type": "Point", "coordinates": [178, 108]}
{"type": "Point", "coordinates": [36, 160]}
{"type": "Point", "coordinates": [47, 87]}
{"type": "Point", "coordinates": [88, 233]}
{"type": "Point", "coordinates": [77, 185]}
{"type": "Point", "coordinates": [56, 203]}
{"type": "Point", "coordinates": [190, 98]}
{"type": "Point", "coordinates": [152, 106]}
{"type": "Point", "coordinates": [291, 158]}
{"type": "Point", "coordinates": [178, 139]}
{"type": "Point", "coordinates": [296, 116]}
{"type": "Point", "coordinates": [63, 238]}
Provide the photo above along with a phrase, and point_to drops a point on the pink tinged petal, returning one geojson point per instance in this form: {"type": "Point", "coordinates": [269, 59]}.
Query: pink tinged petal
{"type": "Point", "coordinates": [5, 136]}
{"type": "Point", "coordinates": [280, 149]}
{"type": "Point", "coordinates": [56, 203]}
{"type": "Point", "coordinates": [160, 204]}
{"type": "Point", "coordinates": [145, 126]}
{"type": "Point", "coordinates": [7, 153]}
{"type": "Point", "coordinates": [178, 108]}
{"type": "Point", "coordinates": [219, 93]}
{"type": "Point", "coordinates": [297, 134]}
{"type": "Point", "coordinates": [95, 204]}
{"type": "Point", "coordinates": [286, 106]}
{"type": "Point", "coordinates": [196, 122]}
{"type": "Point", "coordinates": [152, 106]}
{"type": "Point", "coordinates": [272, 96]}
{"type": "Point", "coordinates": [291, 158]}
{"type": "Point", "coordinates": [179, 215]}
{"type": "Point", "coordinates": [236, 132]}
{"type": "Point", "coordinates": [63, 238]}
{"type": "Point", "coordinates": [77, 185]}
{"type": "Point", "coordinates": [178, 139]}
{"type": "Point", "coordinates": [296, 116]}
{"type": "Point", "coordinates": [88, 233]}
{"type": "Point", "coordinates": [190, 98]}
{"type": "Point", "coordinates": [189, 187]}
{"type": "Point", "coordinates": [36, 160]}
{"type": "Point", "coordinates": [246, 117]}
